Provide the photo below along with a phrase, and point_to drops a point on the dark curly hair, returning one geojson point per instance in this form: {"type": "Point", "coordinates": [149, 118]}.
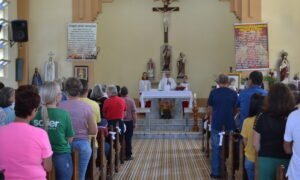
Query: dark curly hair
{"type": "Point", "coordinates": [27, 99]}
{"type": "Point", "coordinates": [280, 101]}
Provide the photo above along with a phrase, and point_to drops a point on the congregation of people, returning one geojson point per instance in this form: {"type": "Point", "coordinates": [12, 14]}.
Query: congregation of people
{"type": "Point", "coordinates": [40, 126]}
{"type": "Point", "coordinates": [268, 122]}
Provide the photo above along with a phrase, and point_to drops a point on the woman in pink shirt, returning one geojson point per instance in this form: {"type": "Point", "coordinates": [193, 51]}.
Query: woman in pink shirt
{"type": "Point", "coordinates": [25, 151]}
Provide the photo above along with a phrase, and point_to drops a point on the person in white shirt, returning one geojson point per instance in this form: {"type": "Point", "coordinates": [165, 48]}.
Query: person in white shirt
{"type": "Point", "coordinates": [292, 144]}
{"type": "Point", "coordinates": [145, 84]}
{"type": "Point", "coordinates": [167, 83]}
{"type": "Point", "coordinates": [185, 83]}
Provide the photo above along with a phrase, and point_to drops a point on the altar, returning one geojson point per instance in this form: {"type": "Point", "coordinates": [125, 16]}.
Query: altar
{"type": "Point", "coordinates": [154, 94]}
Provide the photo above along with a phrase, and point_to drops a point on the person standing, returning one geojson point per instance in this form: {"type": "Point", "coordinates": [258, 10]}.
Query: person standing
{"type": "Point", "coordinates": [130, 121]}
{"type": "Point", "coordinates": [269, 129]}
{"type": "Point", "coordinates": [167, 83]}
{"type": "Point", "coordinates": [57, 123]}
{"type": "Point", "coordinates": [221, 107]}
{"type": "Point", "coordinates": [114, 109]}
{"type": "Point", "coordinates": [7, 99]}
{"type": "Point", "coordinates": [82, 121]}
{"type": "Point", "coordinates": [291, 144]}
{"type": "Point", "coordinates": [25, 151]}
{"type": "Point", "coordinates": [254, 83]}
{"type": "Point", "coordinates": [144, 84]}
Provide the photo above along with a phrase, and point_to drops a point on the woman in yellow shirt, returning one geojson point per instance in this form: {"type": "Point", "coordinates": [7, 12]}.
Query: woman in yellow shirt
{"type": "Point", "coordinates": [256, 103]}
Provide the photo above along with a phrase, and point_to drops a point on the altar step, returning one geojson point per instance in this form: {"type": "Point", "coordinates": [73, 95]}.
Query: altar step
{"type": "Point", "coordinates": [166, 129]}
{"type": "Point", "coordinates": [166, 135]}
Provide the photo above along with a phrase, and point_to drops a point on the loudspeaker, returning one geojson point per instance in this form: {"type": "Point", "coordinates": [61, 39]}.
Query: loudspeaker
{"type": "Point", "coordinates": [19, 31]}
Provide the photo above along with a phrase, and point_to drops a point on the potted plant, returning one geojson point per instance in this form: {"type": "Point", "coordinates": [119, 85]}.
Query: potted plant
{"type": "Point", "coordinates": [165, 109]}
{"type": "Point", "coordinates": [270, 79]}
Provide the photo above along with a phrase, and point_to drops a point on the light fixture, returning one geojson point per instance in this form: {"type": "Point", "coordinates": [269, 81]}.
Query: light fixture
{"type": "Point", "coordinates": [3, 43]}
{"type": "Point", "coordinates": [3, 22]}
{"type": "Point", "coordinates": [3, 3]}
{"type": "Point", "coordinates": [3, 62]}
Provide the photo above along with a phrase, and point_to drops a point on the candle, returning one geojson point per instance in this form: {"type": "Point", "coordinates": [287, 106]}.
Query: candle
{"type": "Point", "coordinates": [195, 96]}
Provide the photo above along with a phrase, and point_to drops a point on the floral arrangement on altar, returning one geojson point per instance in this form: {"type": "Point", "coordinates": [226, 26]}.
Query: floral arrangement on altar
{"type": "Point", "coordinates": [166, 106]}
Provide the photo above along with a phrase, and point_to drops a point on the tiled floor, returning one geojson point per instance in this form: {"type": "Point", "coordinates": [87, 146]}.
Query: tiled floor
{"type": "Point", "coordinates": [166, 159]}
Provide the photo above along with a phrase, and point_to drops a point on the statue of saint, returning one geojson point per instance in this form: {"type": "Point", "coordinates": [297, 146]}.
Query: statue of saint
{"type": "Point", "coordinates": [36, 79]}
{"type": "Point", "coordinates": [167, 59]}
{"type": "Point", "coordinates": [150, 69]}
{"type": "Point", "coordinates": [50, 68]}
{"type": "Point", "coordinates": [284, 67]}
{"type": "Point", "coordinates": [181, 65]}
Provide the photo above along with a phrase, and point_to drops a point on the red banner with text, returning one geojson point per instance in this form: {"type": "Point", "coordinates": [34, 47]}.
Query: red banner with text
{"type": "Point", "coordinates": [251, 46]}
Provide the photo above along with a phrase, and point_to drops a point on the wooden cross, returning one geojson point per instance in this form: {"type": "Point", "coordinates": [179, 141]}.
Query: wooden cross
{"type": "Point", "coordinates": [166, 19]}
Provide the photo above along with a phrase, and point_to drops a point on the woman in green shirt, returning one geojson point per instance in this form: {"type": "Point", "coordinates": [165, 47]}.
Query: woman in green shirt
{"type": "Point", "coordinates": [59, 128]}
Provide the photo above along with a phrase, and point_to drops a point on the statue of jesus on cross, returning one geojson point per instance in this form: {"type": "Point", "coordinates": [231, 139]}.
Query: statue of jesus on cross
{"type": "Point", "coordinates": [166, 15]}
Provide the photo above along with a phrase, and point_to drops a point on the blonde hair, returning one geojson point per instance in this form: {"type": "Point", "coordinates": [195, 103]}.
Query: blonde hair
{"type": "Point", "coordinates": [48, 94]}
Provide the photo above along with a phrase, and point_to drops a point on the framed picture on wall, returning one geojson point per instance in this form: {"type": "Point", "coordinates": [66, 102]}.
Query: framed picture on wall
{"type": "Point", "coordinates": [81, 72]}
{"type": "Point", "coordinates": [234, 80]}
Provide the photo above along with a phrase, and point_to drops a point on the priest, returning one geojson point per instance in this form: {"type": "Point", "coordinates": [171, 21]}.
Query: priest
{"type": "Point", "coordinates": [167, 83]}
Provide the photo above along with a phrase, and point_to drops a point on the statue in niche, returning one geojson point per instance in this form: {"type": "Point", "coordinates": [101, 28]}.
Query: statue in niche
{"type": "Point", "coordinates": [166, 55]}
{"type": "Point", "coordinates": [151, 69]}
{"type": "Point", "coordinates": [181, 60]}
{"type": "Point", "coordinates": [284, 67]}
{"type": "Point", "coordinates": [36, 79]}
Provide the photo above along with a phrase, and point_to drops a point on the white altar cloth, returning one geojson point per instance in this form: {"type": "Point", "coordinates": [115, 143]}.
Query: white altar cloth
{"type": "Point", "coordinates": [156, 94]}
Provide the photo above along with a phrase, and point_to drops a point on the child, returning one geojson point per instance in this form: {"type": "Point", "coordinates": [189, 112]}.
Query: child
{"type": "Point", "coordinates": [256, 103]}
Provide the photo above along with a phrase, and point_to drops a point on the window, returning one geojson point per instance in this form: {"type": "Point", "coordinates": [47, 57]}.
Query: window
{"type": "Point", "coordinates": [3, 37]}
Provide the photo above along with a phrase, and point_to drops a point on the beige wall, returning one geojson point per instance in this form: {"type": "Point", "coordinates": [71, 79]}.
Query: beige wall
{"type": "Point", "coordinates": [130, 33]}
{"type": "Point", "coordinates": [284, 27]}
{"type": "Point", "coordinates": [48, 32]}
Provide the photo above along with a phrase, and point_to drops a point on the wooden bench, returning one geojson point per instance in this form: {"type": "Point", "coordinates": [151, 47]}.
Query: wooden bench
{"type": "Point", "coordinates": [224, 156]}
{"type": "Point", "coordinates": [101, 159]}
{"type": "Point", "coordinates": [75, 173]}
{"type": "Point", "coordinates": [117, 147]}
{"type": "Point", "coordinates": [75, 161]}
{"type": "Point", "coordinates": [93, 171]}
{"type": "Point", "coordinates": [111, 159]}
{"type": "Point", "coordinates": [281, 171]}
{"type": "Point", "coordinates": [206, 139]}
{"type": "Point", "coordinates": [239, 172]}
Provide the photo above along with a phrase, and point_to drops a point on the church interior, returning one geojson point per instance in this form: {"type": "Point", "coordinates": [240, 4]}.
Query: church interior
{"type": "Point", "coordinates": [174, 61]}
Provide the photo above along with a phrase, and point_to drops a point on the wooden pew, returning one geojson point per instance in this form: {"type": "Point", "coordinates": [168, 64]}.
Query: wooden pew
{"type": "Point", "coordinates": [240, 173]}
{"type": "Point", "coordinates": [75, 161]}
{"type": "Point", "coordinates": [51, 174]}
{"type": "Point", "coordinates": [93, 171]}
{"type": "Point", "coordinates": [111, 159]}
{"type": "Point", "coordinates": [224, 156]}
{"type": "Point", "coordinates": [101, 159]}
{"type": "Point", "coordinates": [232, 156]}
{"type": "Point", "coordinates": [256, 166]}
{"type": "Point", "coordinates": [281, 171]}
{"type": "Point", "coordinates": [206, 140]}
{"type": "Point", "coordinates": [117, 147]}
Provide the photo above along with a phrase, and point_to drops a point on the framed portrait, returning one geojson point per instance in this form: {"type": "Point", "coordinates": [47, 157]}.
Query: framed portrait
{"type": "Point", "coordinates": [81, 72]}
{"type": "Point", "coordinates": [234, 80]}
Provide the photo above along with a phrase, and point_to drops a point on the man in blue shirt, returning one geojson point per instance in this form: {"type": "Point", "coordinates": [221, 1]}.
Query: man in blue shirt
{"type": "Point", "coordinates": [221, 106]}
{"type": "Point", "coordinates": [255, 82]}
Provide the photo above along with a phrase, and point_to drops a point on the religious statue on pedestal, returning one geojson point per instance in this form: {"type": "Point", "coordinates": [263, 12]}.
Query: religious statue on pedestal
{"type": "Point", "coordinates": [284, 68]}
{"type": "Point", "coordinates": [50, 68]}
{"type": "Point", "coordinates": [36, 78]}
{"type": "Point", "coordinates": [166, 58]}
{"type": "Point", "coordinates": [181, 60]}
{"type": "Point", "coordinates": [151, 70]}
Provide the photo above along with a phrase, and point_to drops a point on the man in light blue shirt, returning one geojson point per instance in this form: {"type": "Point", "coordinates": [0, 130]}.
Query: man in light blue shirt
{"type": "Point", "coordinates": [255, 82]}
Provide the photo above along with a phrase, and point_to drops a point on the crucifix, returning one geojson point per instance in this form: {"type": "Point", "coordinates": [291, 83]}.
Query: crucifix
{"type": "Point", "coordinates": [166, 16]}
